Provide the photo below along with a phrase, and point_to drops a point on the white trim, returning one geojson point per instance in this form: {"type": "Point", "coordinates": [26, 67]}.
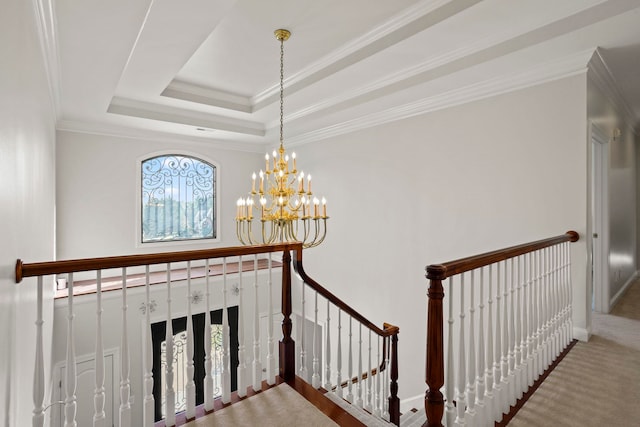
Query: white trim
{"type": "Point", "coordinates": [551, 71]}
{"type": "Point", "coordinates": [622, 290]}
{"type": "Point", "coordinates": [351, 52]}
{"type": "Point", "coordinates": [138, 219]}
{"type": "Point", "coordinates": [105, 129]}
{"type": "Point", "coordinates": [600, 74]}
{"type": "Point", "coordinates": [415, 402]}
{"type": "Point", "coordinates": [204, 95]}
{"type": "Point", "coordinates": [581, 334]}
{"type": "Point", "coordinates": [599, 218]}
{"type": "Point", "coordinates": [46, 22]}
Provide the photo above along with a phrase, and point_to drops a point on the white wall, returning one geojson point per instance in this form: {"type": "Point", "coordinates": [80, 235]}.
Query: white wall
{"type": "Point", "coordinates": [603, 111]}
{"type": "Point", "coordinates": [96, 190]}
{"type": "Point", "coordinates": [437, 187]}
{"type": "Point", "coordinates": [27, 195]}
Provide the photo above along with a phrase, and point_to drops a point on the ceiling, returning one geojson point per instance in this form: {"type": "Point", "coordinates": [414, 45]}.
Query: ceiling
{"type": "Point", "coordinates": [208, 70]}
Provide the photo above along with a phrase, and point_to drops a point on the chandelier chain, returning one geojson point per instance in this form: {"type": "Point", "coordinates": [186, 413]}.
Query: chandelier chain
{"type": "Point", "coordinates": [281, 91]}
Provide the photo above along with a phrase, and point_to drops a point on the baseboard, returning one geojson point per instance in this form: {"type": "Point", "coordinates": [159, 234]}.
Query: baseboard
{"type": "Point", "coordinates": [581, 334]}
{"type": "Point", "coordinates": [622, 290]}
{"type": "Point", "coordinates": [416, 402]}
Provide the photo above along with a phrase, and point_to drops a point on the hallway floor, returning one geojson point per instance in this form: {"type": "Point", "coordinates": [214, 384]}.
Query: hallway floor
{"type": "Point", "coordinates": [598, 382]}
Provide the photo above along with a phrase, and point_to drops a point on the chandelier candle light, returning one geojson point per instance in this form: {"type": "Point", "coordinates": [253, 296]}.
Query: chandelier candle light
{"type": "Point", "coordinates": [283, 195]}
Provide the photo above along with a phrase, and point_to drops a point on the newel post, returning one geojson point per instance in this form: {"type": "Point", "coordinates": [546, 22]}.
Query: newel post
{"type": "Point", "coordinates": [434, 400]}
{"type": "Point", "coordinates": [394, 401]}
{"type": "Point", "coordinates": [287, 345]}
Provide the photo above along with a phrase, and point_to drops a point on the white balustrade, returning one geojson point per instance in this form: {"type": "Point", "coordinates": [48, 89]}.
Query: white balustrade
{"type": "Point", "coordinates": [338, 388]}
{"type": "Point", "coordinates": [257, 364]}
{"type": "Point", "coordinates": [271, 359]}
{"type": "Point", "coordinates": [38, 376]}
{"type": "Point", "coordinates": [147, 360]}
{"type": "Point", "coordinates": [208, 362]}
{"type": "Point", "coordinates": [302, 366]}
{"type": "Point", "coordinates": [243, 382]}
{"type": "Point", "coordinates": [519, 325]}
{"type": "Point", "coordinates": [190, 387]}
{"type": "Point", "coordinates": [226, 345]}
{"type": "Point", "coordinates": [125, 386]}
{"type": "Point", "coordinates": [315, 378]}
{"type": "Point", "coordinates": [170, 396]}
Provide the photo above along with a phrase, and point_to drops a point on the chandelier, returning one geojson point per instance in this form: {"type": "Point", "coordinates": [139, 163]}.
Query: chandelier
{"type": "Point", "coordinates": [281, 200]}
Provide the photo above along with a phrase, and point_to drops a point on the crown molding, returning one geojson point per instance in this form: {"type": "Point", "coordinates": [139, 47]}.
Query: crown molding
{"type": "Point", "coordinates": [566, 67]}
{"type": "Point", "coordinates": [46, 23]}
{"type": "Point", "coordinates": [202, 95]}
{"type": "Point", "coordinates": [405, 24]}
{"type": "Point", "coordinates": [600, 75]}
{"type": "Point", "coordinates": [147, 110]}
{"type": "Point", "coordinates": [119, 131]}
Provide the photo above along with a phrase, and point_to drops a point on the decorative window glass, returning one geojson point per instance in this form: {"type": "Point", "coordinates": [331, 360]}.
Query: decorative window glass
{"type": "Point", "coordinates": [178, 199]}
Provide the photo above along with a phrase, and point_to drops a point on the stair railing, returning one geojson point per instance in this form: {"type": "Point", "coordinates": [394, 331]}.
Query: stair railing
{"type": "Point", "coordinates": [514, 311]}
{"type": "Point", "coordinates": [375, 391]}
{"type": "Point", "coordinates": [343, 338]}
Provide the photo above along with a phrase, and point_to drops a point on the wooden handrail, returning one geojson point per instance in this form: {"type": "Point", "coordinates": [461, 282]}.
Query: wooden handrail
{"type": "Point", "coordinates": [87, 264]}
{"type": "Point", "coordinates": [387, 330]}
{"type": "Point", "coordinates": [434, 400]}
{"type": "Point", "coordinates": [448, 269]}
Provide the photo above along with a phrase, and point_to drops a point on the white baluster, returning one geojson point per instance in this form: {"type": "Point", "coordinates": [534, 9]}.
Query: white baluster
{"type": "Point", "coordinates": [545, 310]}
{"type": "Point", "coordinates": [531, 321]}
{"type": "Point", "coordinates": [461, 401]}
{"type": "Point", "coordinates": [524, 344]}
{"type": "Point", "coordinates": [226, 346]}
{"type": "Point", "coordinates": [70, 381]}
{"type": "Point", "coordinates": [512, 336]}
{"type": "Point", "coordinates": [170, 394]}
{"type": "Point", "coordinates": [506, 387]}
{"type": "Point", "coordinates": [271, 360]}
{"type": "Point", "coordinates": [359, 373]}
{"type": "Point", "coordinates": [327, 355]}
{"type": "Point", "coordinates": [125, 387]}
{"type": "Point", "coordinates": [376, 398]}
{"type": "Point", "coordinates": [257, 364]}
{"type": "Point", "coordinates": [450, 414]}
{"type": "Point", "coordinates": [471, 370]}
{"type": "Point", "coordinates": [566, 290]}
{"type": "Point", "coordinates": [491, 396]}
{"type": "Point", "coordinates": [519, 383]}
{"type": "Point", "coordinates": [480, 384]}
{"type": "Point", "coordinates": [339, 357]}
{"type": "Point", "coordinates": [386, 381]}
{"type": "Point", "coordinates": [497, 371]}
{"type": "Point", "coordinates": [369, 405]}
{"type": "Point", "coordinates": [38, 370]}
{"type": "Point", "coordinates": [148, 402]}
{"type": "Point", "coordinates": [570, 286]}
{"type": "Point", "coordinates": [190, 388]}
{"type": "Point", "coordinates": [242, 358]}
{"type": "Point", "coordinates": [557, 340]}
{"type": "Point", "coordinates": [538, 315]}
{"type": "Point", "coordinates": [302, 369]}
{"type": "Point", "coordinates": [315, 378]}
{"type": "Point", "coordinates": [208, 362]}
{"type": "Point", "coordinates": [350, 363]}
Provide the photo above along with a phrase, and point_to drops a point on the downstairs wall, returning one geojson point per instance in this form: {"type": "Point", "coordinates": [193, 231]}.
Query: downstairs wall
{"type": "Point", "coordinates": [453, 183]}
{"type": "Point", "coordinates": [96, 190]}
{"type": "Point", "coordinates": [27, 197]}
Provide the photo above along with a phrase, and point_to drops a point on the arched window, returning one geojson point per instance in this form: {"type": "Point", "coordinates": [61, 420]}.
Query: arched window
{"type": "Point", "coordinates": [178, 199]}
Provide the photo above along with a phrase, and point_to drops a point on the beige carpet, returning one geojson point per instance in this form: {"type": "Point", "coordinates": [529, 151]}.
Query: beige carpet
{"type": "Point", "coordinates": [597, 383]}
{"type": "Point", "coordinates": [279, 406]}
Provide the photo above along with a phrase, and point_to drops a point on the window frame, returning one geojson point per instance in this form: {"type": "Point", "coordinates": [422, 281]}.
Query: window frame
{"type": "Point", "coordinates": [138, 203]}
